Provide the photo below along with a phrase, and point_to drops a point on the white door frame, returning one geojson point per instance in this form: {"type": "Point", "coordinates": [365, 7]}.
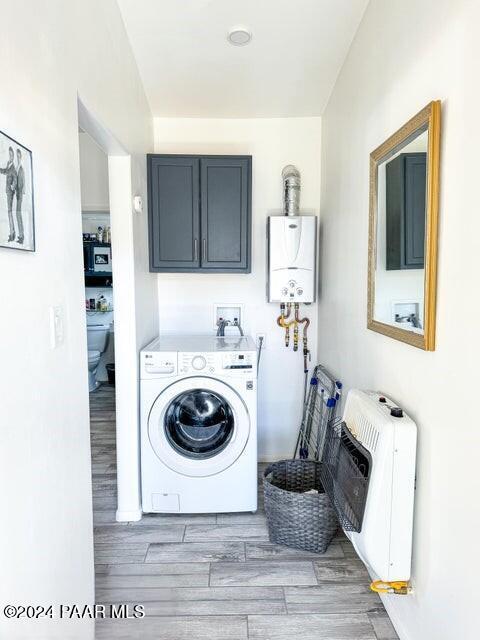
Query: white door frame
{"type": "Point", "coordinates": [123, 271]}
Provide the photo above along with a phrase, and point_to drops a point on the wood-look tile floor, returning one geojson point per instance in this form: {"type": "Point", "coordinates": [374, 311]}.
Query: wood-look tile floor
{"type": "Point", "coordinates": [216, 576]}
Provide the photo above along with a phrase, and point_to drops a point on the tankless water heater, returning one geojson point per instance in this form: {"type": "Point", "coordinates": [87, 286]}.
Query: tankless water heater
{"type": "Point", "coordinates": [291, 258]}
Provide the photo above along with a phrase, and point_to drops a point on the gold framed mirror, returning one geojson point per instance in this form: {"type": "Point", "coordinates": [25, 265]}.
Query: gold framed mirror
{"type": "Point", "coordinates": [403, 223]}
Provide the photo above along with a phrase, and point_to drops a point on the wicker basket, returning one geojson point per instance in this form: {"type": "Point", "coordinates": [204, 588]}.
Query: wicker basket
{"type": "Point", "coordinates": [297, 519]}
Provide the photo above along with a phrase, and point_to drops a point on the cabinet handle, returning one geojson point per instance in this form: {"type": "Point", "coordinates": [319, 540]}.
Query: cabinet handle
{"type": "Point", "coordinates": [204, 250]}
{"type": "Point", "coordinates": [195, 249]}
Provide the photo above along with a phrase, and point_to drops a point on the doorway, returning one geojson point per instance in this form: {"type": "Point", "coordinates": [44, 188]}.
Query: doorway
{"type": "Point", "coordinates": [98, 260]}
{"type": "Point", "coordinates": [99, 285]}
{"type": "Point", "coordinates": [108, 205]}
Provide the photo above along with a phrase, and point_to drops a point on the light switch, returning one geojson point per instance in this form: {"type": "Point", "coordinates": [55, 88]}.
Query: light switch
{"type": "Point", "coordinates": [138, 204]}
{"type": "Point", "coordinates": [56, 327]}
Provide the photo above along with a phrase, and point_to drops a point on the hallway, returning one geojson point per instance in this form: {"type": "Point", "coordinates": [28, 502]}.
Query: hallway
{"type": "Point", "coordinates": [216, 576]}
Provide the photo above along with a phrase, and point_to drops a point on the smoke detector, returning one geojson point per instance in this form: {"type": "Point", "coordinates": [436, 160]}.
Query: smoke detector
{"type": "Point", "coordinates": [239, 36]}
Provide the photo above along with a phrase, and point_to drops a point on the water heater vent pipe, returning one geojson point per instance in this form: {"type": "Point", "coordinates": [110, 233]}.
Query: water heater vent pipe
{"type": "Point", "coordinates": [291, 190]}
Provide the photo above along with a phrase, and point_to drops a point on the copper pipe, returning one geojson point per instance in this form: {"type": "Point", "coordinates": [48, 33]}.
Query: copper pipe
{"type": "Point", "coordinates": [281, 320]}
{"type": "Point", "coordinates": [301, 320]}
{"type": "Point", "coordinates": [295, 336]}
{"type": "Point", "coordinates": [283, 316]}
{"type": "Point", "coordinates": [285, 311]}
{"type": "Point", "coordinates": [306, 323]}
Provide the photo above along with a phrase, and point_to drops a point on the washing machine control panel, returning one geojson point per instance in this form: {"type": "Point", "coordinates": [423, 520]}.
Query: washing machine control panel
{"type": "Point", "coordinates": [158, 365]}
{"type": "Point", "coordinates": [238, 361]}
{"type": "Point", "coordinates": [196, 362]}
{"type": "Point", "coordinates": [199, 362]}
{"type": "Point", "coordinates": [211, 363]}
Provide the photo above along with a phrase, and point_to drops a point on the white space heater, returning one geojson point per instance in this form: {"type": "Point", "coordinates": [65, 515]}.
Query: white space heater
{"type": "Point", "coordinates": [369, 473]}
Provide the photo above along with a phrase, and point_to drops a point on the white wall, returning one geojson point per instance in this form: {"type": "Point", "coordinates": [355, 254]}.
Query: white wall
{"type": "Point", "coordinates": [94, 172]}
{"type": "Point", "coordinates": [186, 300]}
{"type": "Point", "coordinates": [405, 54]}
{"type": "Point", "coordinates": [54, 52]}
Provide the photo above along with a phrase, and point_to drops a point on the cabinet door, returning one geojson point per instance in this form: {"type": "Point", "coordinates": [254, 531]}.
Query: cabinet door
{"type": "Point", "coordinates": [226, 213]}
{"type": "Point", "coordinates": [174, 215]}
{"type": "Point", "coordinates": [405, 211]}
{"type": "Point", "coordinates": [415, 206]}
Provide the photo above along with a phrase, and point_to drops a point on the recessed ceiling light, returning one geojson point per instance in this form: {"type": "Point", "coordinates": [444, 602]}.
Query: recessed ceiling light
{"type": "Point", "coordinates": [239, 36]}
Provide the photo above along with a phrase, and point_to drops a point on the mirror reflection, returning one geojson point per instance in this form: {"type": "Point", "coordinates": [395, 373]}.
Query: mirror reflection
{"type": "Point", "coordinates": [400, 238]}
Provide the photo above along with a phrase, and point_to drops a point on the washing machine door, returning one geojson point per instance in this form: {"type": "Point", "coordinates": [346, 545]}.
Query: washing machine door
{"type": "Point", "coordinates": [198, 426]}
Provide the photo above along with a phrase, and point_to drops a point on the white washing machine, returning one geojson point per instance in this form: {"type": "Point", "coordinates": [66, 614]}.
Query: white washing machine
{"type": "Point", "coordinates": [199, 424]}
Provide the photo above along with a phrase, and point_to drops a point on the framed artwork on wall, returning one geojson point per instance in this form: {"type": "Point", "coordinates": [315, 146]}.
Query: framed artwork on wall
{"type": "Point", "coordinates": [102, 259]}
{"type": "Point", "coordinates": [17, 223]}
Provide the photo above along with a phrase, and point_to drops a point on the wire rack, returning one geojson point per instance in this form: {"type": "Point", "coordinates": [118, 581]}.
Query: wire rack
{"type": "Point", "coordinates": [345, 472]}
{"type": "Point", "coordinates": [319, 410]}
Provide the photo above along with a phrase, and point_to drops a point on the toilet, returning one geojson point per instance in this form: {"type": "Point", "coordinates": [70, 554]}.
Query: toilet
{"type": "Point", "coordinates": [97, 341]}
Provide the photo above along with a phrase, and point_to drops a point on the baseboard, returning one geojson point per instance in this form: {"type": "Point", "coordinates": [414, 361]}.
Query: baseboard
{"type": "Point", "coordinates": [394, 615]}
{"type": "Point", "coordinates": [128, 516]}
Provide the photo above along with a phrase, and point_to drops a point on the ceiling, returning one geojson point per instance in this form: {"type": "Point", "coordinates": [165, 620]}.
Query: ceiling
{"type": "Point", "coordinates": [289, 68]}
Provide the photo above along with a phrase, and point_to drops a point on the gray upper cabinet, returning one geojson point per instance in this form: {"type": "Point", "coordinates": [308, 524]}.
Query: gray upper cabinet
{"type": "Point", "coordinates": [174, 213]}
{"type": "Point", "coordinates": [200, 213]}
{"type": "Point", "coordinates": [225, 213]}
{"type": "Point", "coordinates": [405, 211]}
